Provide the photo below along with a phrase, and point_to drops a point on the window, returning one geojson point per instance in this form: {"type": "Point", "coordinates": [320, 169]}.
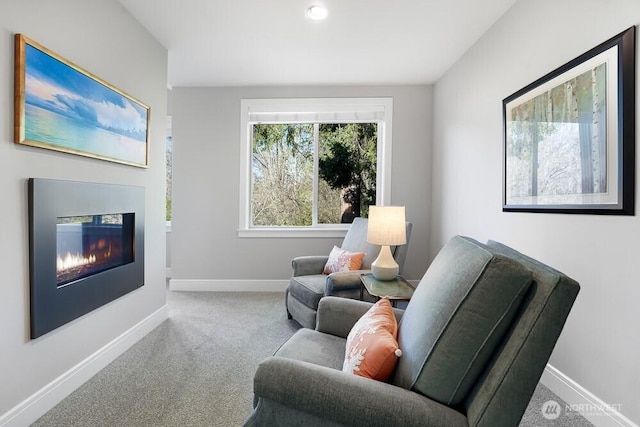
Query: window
{"type": "Point", "coordinates": [312, 165]}
{"type": "Point", "coordinates": [169, 170]}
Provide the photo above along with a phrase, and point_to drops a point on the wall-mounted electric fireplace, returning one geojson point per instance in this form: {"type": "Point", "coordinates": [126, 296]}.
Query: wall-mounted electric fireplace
{"type": "Point", "coordinates": [86, 248]}
{"type": "Point", "coordinates": [87, 245]}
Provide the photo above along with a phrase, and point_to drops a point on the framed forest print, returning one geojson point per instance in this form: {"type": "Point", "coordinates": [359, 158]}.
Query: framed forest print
{"type": "Point", "coordinates": [569, 137]}
{"type": "Point", "coordinates": [60, 106]}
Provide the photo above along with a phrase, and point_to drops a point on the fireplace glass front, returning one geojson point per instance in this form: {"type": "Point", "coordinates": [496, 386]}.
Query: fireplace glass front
{"type": "Point", "coordinates": [87, 245]}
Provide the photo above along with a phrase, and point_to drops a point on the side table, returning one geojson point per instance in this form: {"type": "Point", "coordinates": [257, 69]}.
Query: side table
{"type": "Point", "coordinates": [398, 289]}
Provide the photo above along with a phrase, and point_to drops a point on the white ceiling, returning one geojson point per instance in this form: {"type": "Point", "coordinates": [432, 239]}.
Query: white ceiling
{"type": "Point", "coordinates": [270, 42]}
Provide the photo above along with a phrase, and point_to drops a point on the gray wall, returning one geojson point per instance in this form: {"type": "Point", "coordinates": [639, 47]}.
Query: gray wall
{"type": "Point", "coordinates": [206, 135]}
{"type": "Point", "coordinates": [103, 38]}
{"type": "Point", "coordinates": [599, 347]}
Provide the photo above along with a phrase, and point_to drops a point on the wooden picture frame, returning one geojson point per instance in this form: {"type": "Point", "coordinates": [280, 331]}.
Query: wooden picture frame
{"type": "Point", "coordinates": [569, 137]}
{"type": "Point", "coordinates": [60, 106]}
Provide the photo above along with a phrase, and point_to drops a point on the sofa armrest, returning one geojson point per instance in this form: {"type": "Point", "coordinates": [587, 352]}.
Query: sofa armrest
{"type": "Point", "coordinates": [336, 316]}
{"type": "Point", "coordinates": [345, 398]}
{"type": "Point", "coordinates": [307, 265]}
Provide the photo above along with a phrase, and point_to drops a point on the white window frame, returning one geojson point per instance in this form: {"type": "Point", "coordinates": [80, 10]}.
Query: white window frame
{"type": "Point", "coordinates": [312, 110]}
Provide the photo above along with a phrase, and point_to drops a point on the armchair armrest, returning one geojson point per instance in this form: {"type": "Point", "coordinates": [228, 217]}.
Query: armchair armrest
{"type": "Point", "coordinates": [345, 398]}
{"type": "Point", "coordinates": [336, 316]}
{"type": "Point", "coordinates": [307, 265]}
{"type": "Point", "coordinates": [343, 280]}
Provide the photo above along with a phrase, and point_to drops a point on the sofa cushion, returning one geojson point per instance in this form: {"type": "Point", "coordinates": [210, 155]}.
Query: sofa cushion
{"type": "Point", "coordinates": [372, 349]}
{"type": "Point", "coordinates": [459, 312]}
{"type": "Point", "coordinates": [308, 289]}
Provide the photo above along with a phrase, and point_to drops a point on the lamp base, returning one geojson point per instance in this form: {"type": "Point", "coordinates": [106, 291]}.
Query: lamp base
{"type": "Point", "coordinates": [385, 267]}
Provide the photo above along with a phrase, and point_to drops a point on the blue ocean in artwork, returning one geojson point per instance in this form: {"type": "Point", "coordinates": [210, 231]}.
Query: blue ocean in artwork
{"type": "Point", "coordinates": [66, 108]}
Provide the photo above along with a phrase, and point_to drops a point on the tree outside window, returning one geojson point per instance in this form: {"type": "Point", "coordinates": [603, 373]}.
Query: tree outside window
{"type": "Point", "coordinates": [305, 174]}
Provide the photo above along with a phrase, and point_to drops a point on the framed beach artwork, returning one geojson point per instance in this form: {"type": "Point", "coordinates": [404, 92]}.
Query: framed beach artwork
{"type": "Point", "coordinates": [60, 106]}
{"type": "Point", "coordinates": [569, 137]}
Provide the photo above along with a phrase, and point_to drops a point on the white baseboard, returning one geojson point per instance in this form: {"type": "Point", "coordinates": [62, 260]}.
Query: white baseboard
{"type": "Point", "coordinates": [32, 408]}
{"type": "Point", "coordinates": [594, 409]}
{"type": "Point", "coordinates": [228, 285]}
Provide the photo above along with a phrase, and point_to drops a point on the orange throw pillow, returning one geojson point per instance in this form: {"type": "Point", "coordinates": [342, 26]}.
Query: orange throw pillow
{"type": "Point", "coordinates": [341, 260]}
{"type": "Point", "coordinates": [372, 349]}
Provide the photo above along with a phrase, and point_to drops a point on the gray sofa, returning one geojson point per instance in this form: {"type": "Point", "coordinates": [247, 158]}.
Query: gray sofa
{"type": "Point", "coordinates": [308, 285]}
{"type": "Point", "coordinates": [475, 337]}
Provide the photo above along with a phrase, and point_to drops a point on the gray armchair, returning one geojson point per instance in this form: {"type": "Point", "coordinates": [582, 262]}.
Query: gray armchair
{"type": "Point", "coordinates": [475, 337]}
{"type": "Point", "coordinates": [308, 285]}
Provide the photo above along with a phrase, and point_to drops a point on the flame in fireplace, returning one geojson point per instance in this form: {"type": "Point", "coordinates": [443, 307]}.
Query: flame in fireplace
{"type": "Point", "coordinates": [74, 260]}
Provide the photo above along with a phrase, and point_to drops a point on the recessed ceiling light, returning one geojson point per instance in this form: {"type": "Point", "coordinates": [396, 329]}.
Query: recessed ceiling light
{"type": "Point", "coordinates": [317, 13]}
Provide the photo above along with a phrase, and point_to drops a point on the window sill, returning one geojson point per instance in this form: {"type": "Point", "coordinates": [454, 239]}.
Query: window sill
{"type": "Point", "coordinates": [291, 232]}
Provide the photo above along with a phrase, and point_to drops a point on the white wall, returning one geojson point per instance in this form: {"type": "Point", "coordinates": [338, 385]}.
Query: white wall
{"type": "Point", "coordinates": [100, 36]}
{"type": "Point", "coordinates": [206, 136]}
{"type": "Point", "coordinates": [599, 347]}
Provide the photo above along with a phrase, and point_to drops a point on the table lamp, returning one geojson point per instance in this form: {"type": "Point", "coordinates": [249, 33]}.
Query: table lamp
{"type": "Point", "coordinates": [386, 227]}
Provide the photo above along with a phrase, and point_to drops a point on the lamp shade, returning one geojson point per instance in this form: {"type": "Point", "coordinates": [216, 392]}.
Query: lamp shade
{"type": "Point", "coordinates": [386, 225]}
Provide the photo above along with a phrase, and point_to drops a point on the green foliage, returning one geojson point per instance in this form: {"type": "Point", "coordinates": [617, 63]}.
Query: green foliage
{"type": "Point", "coordinates": [347, 163]}
{"type": "Point", "coordinates": [329, 204]}
{"type": "Point", "coordinates": [283, 166]}
{"type": "Point", "coordinates": [282, 171]}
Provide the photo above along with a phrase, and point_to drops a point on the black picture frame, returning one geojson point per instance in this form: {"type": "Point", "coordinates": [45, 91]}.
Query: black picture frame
{"type": "Point", "coordinates": [569, 137]}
